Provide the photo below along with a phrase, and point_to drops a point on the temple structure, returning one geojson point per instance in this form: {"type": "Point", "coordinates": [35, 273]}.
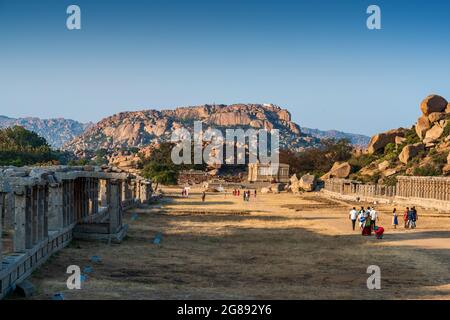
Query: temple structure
{"type": "Point", "coordinates": [266, 172]}
{"type": "Point", "coordinates": [43, 209]}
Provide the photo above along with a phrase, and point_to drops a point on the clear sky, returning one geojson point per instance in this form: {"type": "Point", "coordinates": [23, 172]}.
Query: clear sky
{"type": "Point", "coordinates": [315, 58]}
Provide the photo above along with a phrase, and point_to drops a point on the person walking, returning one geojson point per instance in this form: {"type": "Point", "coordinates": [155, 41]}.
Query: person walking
{"type": "Point", "coordinates": [413, 217]}
{"type": "Point", "coordinates": [405, 217]}
{"type": "Point", "coordinates": [373, 217]}
{"type": "Point", "coordinates": [394, 218]}
{"type": "Point", "coordinates": [203, 196]}
{"type": "Point", "coordinates": [353, 214]}
{"type": "Point", "coordinates": [361, 218]}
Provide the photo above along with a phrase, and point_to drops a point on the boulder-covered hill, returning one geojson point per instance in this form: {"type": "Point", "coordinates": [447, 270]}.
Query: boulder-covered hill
{"type": "Point", "coordinates": [57, 132]}
{"type": "Point", "coordinates": [421, 150]}
{"type": "Point", "coordinates": [141, 128]}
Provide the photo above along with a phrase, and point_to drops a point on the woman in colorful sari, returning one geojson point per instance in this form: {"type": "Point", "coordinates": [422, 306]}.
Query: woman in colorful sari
{"type": "Point", "coordinates": [367, 229]}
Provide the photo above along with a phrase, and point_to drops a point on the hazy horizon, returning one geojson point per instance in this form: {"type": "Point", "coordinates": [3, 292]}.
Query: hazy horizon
{"type": "Point", "coordinates": [316, 59]}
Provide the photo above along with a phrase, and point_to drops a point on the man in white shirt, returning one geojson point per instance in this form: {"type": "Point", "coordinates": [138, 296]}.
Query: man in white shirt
{"type": "Point", "coordinates": [373, 217]}
{"type": "Point", "coordinates": [353, 215]}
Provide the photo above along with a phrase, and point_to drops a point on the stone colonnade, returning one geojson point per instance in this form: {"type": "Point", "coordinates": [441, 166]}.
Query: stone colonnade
{"type": "Point", "coordinates": [435, 188]}
{"type": "Point", "coordinates": [44, 208]}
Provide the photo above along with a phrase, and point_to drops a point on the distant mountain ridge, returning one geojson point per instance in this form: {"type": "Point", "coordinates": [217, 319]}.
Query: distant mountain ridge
{"type": "Point", "coordinates": [359, 140]}
{"type": "Point", "coordinates": [136, 129]}
{"type": "Point", "coordinates": [57, 132]}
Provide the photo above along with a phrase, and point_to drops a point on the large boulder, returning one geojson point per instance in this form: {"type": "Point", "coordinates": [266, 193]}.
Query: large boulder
{"type": "Point", "coordinates": [447, 110]}
{"type": "Point", "coordinates": [433, 103]}
{"type": "Point", "coordinates": [422, 126]}
{"type": "Point", "coordinates": [295, 188]}
{"type": "Point", "coordinates": [383, 165]}
{"type": "Point", "coordinates": [399, 140]}
{"type": "Point", "coordinates": [339, 170]}
{"type": "Point", "coordinates": [436, 116]}
{"type": "Point", "coordinates": [307, 182]}
{"type": "Point", "coordinates": [410, 151]}
{"type": "Point", "coordinates": [434, 133]}
{"type": "Point", "coordinates": [381, 140]}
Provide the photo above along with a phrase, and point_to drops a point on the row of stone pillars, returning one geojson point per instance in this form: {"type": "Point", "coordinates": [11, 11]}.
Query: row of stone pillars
{"type": "Point", "coordinates": [437, 188]}
{"type": "Point", "coordinates": [30, 216]}
{"type": "Point", "coordinates": [44, 210]}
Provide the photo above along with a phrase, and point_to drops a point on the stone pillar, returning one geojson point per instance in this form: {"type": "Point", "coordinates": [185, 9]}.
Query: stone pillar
{"type": "Point", "coordinates": [20, 207]}
{"type": "Point", "coordinates": [95, 193]}
{"type": "Point", "coordinates": [71, 201]}
{"type": "Point", "coordinates": [103, 193]}
{"type": "Point", "coordinates": [56, 209]}
{"type": "Point", "coordinates": [115, 205]}
{"type": "Point", "coordinates": [34, 214]}
{"type": "Point", "coordinates": [146, 192]}
{"type": "Point", "coordinates": [85, 199]}
{"type": "Point", "coordinates": [41, 213]}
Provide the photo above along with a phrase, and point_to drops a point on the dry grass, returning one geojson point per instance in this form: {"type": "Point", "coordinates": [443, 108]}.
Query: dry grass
{"type": "Point", "coordinates": [273, 247]}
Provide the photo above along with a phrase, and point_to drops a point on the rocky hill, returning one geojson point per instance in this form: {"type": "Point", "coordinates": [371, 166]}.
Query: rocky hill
{"type": "Point", "coordinates": [137, 129]}
{"type": "Point", "coordinates": [57, 132]}
{"type": "Point", "coordinates": [422, 150]}
{"type": "Point", "coordinates": [142, 128]}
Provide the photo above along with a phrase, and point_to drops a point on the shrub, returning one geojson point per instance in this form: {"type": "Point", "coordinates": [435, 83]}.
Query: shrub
{"type": "Point", "coordinates": [447, 129]}
{"type": "Point", "coordinates": [428, 170]}
{"type": "Point", "coordinates": [411, 136]}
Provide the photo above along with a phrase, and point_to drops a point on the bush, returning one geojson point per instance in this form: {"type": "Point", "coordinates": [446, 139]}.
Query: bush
{"type": "Point", "coordinates": [428, 170]}
{"type": "Point", "coordinates": [411, 136]}
{"type": "Point", "coordinates": [359, 162]}
{"type": "Point", "coordinates": [447, 129]}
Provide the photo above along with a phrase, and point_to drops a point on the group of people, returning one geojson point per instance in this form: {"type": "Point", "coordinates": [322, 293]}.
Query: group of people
{"type": "Point", "coordinates": [246, 194]}
{"type": "Point", "coordinates": [185, 192]}
{"type": "Point", "coordinates": [368, 219]}
{"type": "Point", "coordinates": [410, 218]}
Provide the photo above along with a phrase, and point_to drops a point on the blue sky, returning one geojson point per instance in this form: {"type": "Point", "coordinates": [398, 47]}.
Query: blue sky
{"type": "Point", "coordinates": [315, 58]}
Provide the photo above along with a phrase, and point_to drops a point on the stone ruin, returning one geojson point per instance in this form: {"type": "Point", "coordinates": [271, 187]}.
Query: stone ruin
{"type": "Point", "coordinates": [428, 192]}
{"type": "Point", "coordinates": [43, 208]}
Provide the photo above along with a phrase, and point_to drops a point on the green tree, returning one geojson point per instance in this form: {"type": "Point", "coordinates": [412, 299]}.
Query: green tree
{"type": "Point", "coordinates": [159, 167]}
{"type": "Point", "coordinates": [20, 147]}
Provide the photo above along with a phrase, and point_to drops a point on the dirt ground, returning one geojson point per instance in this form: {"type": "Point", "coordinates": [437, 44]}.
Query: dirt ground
{"type": "Point", "coordinates": [280, 246]}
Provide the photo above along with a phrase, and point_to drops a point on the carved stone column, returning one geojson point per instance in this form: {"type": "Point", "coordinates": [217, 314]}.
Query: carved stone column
{"type": "Point", "coordinates": [56, 209]}
{"type": "Point", "coordinates": [115, 205]}
{"type": "Point", "coordinates": [20, 207]}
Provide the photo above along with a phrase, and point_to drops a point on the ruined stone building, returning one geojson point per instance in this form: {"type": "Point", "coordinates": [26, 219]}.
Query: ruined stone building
{"type": "Point", "coordinates": [43, 209]}
{"type": "Point", "coordinates": [266, 172]}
